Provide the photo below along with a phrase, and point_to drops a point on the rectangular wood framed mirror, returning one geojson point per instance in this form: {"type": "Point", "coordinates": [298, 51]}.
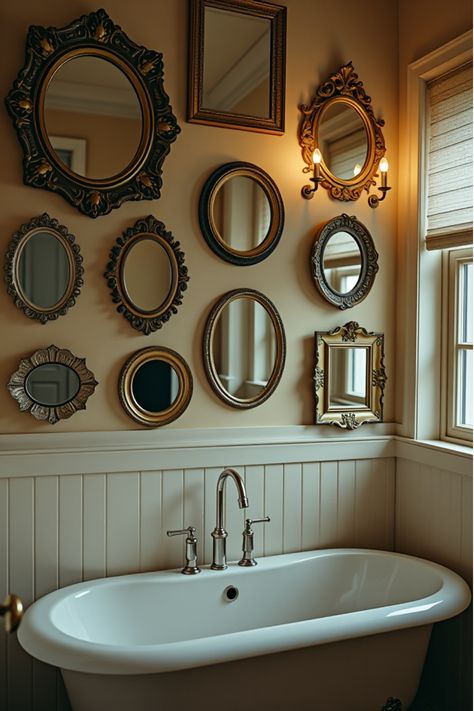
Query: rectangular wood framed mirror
{"type": "Point", "coordinates": [237, 52]}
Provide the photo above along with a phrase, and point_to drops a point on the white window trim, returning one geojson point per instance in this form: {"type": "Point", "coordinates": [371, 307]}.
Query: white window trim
{"type": "Point", "coordinates": [421, 268]}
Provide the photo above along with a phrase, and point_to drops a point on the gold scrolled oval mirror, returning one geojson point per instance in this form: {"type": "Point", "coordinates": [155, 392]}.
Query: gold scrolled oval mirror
{"type": "Point", "coordinates": [155, 386]}
{"type": "Point", "coordinates": [244, 348]}
{"type": "Point", "coordinates": [341, 124]}
{"type": "Point", "coordinates": [241, 213]}
{"type": "Point", "coordinates": [43, 269]}
{"type": "Point", "coordinates": [147, 275]}
{"type": "Point", "coordinates": [349, 377]}
{"type": "Point", "coordinates": [344, 261]}
{"type": "Point", "coordinates": [237, 64]}
{"type": "Point", "coordinates": [91, 114]}
{"type": "Point", "coordinates": [52, 384]}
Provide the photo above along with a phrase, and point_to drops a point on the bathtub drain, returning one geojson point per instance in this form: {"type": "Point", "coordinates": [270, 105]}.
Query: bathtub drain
{"type": "Point", "coordinates": [231, 593]}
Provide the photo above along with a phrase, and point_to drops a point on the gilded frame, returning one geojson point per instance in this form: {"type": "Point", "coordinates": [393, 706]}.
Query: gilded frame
{"type": "Point", "coordinates": [209, 228]}
{"type": "Point", "coordinates": [47, 49]}
{"type": "Point", "coordinates": [197, 113]}
{"type": "Point", "coordinates": [208, 360]}
{"type": "Point", "coordinates": [369, 258]}
{"type": "Point", "coordinates": [125, 386]}
{"type": "Point", "coordinates": [43, 223]}
{"type": "Point", "coordinates": [62, 356]}
{"type": "Point", "coordinates": [146, 321]}
{"type": "Point", "coordinates": [345, 87]}
{"type": "Point", "coordinates": [349, 336]}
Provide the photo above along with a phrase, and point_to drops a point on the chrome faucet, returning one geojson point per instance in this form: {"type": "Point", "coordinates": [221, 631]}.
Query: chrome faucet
{"type": "Point", "coordinates": [219, 534]}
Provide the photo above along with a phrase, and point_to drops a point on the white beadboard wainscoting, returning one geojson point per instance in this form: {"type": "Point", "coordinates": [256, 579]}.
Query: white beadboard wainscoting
{"type": "Point", "coordinates": [76, 507]}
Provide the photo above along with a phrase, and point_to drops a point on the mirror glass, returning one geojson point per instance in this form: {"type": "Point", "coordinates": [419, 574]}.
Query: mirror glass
{"type": "Point", "coordinates": [348, 377]}
{"type": "Point", "coordinates": [342, 140]}
{"type": "Point", "coordinates": [242, 213]}
{"type": "Point", "coordinates": [43, 270]}
{"type": "Point", "coordinates": [155, 385]}
{"type": "Point", "coordinates": [52, 384]}
{"type": "Point", "coordinates": [244, 348]}
{"type": "Point", "coordinates": [147, 274]}
{"type": "Point", "coordinates": [342, 262]}
{"type": "Point", "coordinates": [236, 62]}
{"type": "Point", "coordinates": [95, 103]}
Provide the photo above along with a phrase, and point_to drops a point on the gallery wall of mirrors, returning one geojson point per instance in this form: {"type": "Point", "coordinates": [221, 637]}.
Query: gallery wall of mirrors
{"type": "Point", "coordinates": [90, 77]}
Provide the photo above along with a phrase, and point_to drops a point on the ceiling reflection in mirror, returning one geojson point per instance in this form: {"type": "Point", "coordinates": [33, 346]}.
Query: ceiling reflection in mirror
{"type": "Point", "coordinates": [52, 384]}
{"type": "Point", "coordinates": [348, 377]}
{"type": "Point", "coordinates": [342, 262]}
{"type": "Point", "coordinates": [236, 66]}
{"type": "Point", "coordinates": [155, 386]}
{"type": "Point", "coordinates": [147, 274]}
{"type": "Point", "coordinates": [244, 348]}
{"type": "Point", "coordinates": [97, 104]}
{"type": "Point", "coordinates": [342, 140]}
{"type": "Point", "coordinates": [242, 213]}
{"type": "Point", "coordinates": [43, 270]}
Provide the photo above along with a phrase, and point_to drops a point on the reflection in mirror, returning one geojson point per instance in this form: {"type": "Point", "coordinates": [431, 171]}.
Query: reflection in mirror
{"type": "Point", "coordinates": [347, 377]}
{"type": "Point", "coordinates": [342, 262]}
{"type": "Point", "coordinates": [342, 140]}
{"type": "Point", "coordinates": [242, 213]}
{"type": "Point", "coordinates": [96, 102]}
{"type": "Point", "coordinates": [236, 67]}
{"type": "Point", "coordinates": [244, 348]}
{"type": "Point", "coordinates": [155, 386]}
{"type": "Point", "coordinates": [147, 274]}
{"type": "Point", "coordinates": [52, 384]}
{"type": "Point", "coordinates": [43, 270]}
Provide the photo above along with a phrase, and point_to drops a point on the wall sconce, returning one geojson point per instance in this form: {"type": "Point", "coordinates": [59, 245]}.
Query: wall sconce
{"type": "Point", "coordinates": [375, 199]}
{"type": "Point", "coordinates": [307, 191]}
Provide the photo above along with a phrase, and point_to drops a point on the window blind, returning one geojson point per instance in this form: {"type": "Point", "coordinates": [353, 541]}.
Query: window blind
{"type": "Point", "coordinates": [449, 160]}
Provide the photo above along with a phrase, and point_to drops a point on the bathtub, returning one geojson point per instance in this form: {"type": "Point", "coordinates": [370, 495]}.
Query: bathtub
{"type": "Point", "coordinates": [326, 630]}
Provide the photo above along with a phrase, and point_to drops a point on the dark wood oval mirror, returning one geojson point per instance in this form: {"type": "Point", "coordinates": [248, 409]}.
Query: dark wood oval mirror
{"type": "Point", "coordinates": [92, 116]}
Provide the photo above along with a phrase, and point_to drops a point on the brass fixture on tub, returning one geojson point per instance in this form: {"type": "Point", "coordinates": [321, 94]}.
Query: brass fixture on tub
{"type": "Point", "coordinates": [12, 610]}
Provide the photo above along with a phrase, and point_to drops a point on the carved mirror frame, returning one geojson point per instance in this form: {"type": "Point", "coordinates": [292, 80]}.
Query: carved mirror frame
{"type": "Point", "coordinates": [197, 113]}
{"type": "Point", "coordinates": [369, 261]}
{"type": "Point", "coordinates": [43, 223]}
{"type": "Point", "coordinates": [208, 224]}
{"type": "Point", "coordinates": [43, 356]}
{"type": "Point", "coordinates": [146, 321]}
{"type": "Point", "coordinates": [47, 49]}
{"type": "Point", "coordinates": [280, 350]}
{"type": "Point", "coordinates": [185, 386]}
{"type": "Point", "coordinates": [349, 336]}
{"type": "Point", "coordinates": [342, 87]}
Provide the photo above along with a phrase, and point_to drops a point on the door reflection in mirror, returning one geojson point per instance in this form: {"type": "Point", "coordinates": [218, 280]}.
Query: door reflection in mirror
{"type": "Point", "coordinates": [43, 270]}
{"type": "Point", "coordinates": [348, 377]}
{"type": "Point", "coordinates": [242, 213]}
{"type": "Point", "coordinates": [52, 384]}
{"type": "Point", "coordinates": [342, 262]}
{"type": "Point", "coordinates": [244, 348]}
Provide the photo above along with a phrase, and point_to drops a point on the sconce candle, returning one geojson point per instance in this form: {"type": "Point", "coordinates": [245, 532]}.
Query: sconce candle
{"type": "Point", "coordinates": [317, 162]}
{"type": "Point", "coordinates": [384, 188]}
{"type": "Point", "coordinates": [307, 191]}
{"type": "Point", "coordinates": [383, 166]}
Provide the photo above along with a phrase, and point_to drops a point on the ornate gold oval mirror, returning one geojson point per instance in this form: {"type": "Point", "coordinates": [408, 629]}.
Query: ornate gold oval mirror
{"type": "Point", "coordinates": [147, 275]}
{"type": "Point", "coordinates": [241, 213]}
{"type": "Point", "coordinates": [91, 113]}
{"type": "Point", "coordinates": [244, 348]}
{"type": "Point", "coordinates": [155, 386]}
{"type": "Point", "coordinates": [237, 64]}
{"type": "Point", "coordinates": [344, 261]}
{"type": "Point", "coordinates": [52, 384]}
{"type": "Point", "coordinates": [349, 377]}
{"type": "Point", "coordinates": [340, 123]}
{"type": "Point", "coordinates": [43, 269]}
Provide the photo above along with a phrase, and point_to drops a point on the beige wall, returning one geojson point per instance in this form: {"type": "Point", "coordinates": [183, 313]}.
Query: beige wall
{"type": "Point", "coordinates": [318, 42]}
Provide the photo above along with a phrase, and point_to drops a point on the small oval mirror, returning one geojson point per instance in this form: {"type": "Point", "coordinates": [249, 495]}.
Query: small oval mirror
{"type": "Point", "coordinates": [43, 270]}
{"type": "Point", "coordinates": [147, 274]}
{"type": "Point", "coordinates": [342, 140]}
{"type": "Point", "coordinates": [52, 384]}
{"type": "Point", "coordinates": [342, 262]}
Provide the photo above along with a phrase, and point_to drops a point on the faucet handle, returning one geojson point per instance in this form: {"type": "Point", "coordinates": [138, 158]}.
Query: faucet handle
{"type": "Point", "coordinates": [191, 567]}
{"type": "Point", "coordinates": [247, 559]}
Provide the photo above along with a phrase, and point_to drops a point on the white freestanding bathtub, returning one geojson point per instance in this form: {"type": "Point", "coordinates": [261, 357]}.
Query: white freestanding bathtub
{"type": "Point", "coordinates": [327, 630]}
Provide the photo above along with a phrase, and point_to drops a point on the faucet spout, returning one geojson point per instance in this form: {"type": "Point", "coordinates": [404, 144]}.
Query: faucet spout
{"type": "Point", "coordinates": [219, 534]}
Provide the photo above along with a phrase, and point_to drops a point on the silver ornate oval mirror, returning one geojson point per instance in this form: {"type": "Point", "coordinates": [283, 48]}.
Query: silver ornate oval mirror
{"type": "Point", "coordinates": [146, 275]}
{"type": "Point", "coordinates": [52, 384]}
{"type": "Point", "coordinates": [155, 386]}
{"type": "Point", "coordinates": [349, 378]}
{"type": "Point", "coordinates": [344, 261]}
{"type": "Point", "coordinates": [241, 213]}
{"type": "Point", "coordinates": [244, 348]}
{"type": "Point", "coordinates": [43, 269]}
